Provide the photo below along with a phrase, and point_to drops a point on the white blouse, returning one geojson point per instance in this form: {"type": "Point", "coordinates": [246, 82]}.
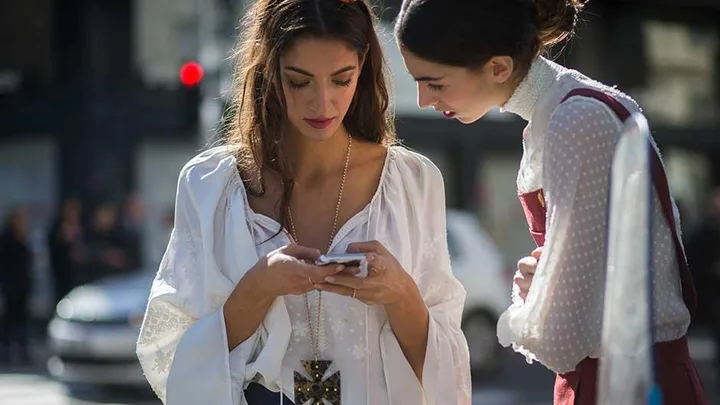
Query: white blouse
{"type": "Point", "coordinates": [217, 237]}
{"type": "Point", "coordinates": [568, 150]}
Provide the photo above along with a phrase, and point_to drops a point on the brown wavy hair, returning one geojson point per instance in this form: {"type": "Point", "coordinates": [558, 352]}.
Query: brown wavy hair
{"type": "Point", "coordinates": [258, 129]}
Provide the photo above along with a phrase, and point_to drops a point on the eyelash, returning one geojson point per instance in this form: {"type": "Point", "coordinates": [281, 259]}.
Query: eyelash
{"type": "Point", "coordinates": [294, 85]}
{"type": "Point", "coordinates": [435, 87]}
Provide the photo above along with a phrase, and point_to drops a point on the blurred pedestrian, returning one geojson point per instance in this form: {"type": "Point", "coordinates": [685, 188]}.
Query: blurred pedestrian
{"type": "Point", "coordinates": [67, 248]}
{"type": "Point", "coordinates": [471, 56]}
{"type": "Point", "coordinates": [107, 250]}
{"type": "Point", "coordinates": [161, 235]}
{"type": "Point", "coordinates": [16, 261]}
{"type": "Point", "coordinates": [131, 227]}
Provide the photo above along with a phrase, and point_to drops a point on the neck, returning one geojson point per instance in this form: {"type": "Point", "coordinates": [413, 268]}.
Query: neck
{"type": "Point", "coordinates": [509, 88]}
{"type": "Point", "coordinates": [313, 160]}
{"type": "Point", "coordinates": [535, 85]}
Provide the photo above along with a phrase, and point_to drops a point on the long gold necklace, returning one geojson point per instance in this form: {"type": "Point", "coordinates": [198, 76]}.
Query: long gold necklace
{"type": "Point", "coordinates": [317, 389]}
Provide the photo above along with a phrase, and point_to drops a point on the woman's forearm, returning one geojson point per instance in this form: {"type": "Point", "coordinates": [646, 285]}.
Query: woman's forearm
{"type": "Point", "coordinates": [245, 309]}
{"type": "Point", "coordinates": [409, 319]}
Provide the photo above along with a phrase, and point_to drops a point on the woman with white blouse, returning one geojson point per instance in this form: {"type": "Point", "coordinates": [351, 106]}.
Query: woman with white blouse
{"type": "Point", "coordinates": [470, 56]}
{"type": "Point", "coordinates": [239, 313]}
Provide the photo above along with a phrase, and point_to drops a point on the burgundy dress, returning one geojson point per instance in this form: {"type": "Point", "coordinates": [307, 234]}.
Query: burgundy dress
{"type": "Point", "coordinates": [675, 370]}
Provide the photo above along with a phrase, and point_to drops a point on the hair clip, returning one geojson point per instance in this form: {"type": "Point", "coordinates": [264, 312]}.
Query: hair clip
{"type": "Point", "coordinates": [348, 1]}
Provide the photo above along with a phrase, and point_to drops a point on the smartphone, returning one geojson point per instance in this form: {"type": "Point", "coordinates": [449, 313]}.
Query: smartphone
{"type": "Point", "coordinates": [349, 259]}
{"type": "Point", "coordinates": [341, 258]}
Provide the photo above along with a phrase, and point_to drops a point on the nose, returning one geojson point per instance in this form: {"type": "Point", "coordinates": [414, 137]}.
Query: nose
{"type": "Point", "coordinates": [322, 98]}
{"type": "Point", "coordinates": [424, 98]}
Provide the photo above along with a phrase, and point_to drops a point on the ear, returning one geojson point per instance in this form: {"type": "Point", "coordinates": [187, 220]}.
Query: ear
{"type": "Point", "coordinates": [501, 68]}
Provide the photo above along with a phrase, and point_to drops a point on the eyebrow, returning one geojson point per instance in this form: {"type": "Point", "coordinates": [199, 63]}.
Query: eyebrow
{"type": "Point", "coordinates": [306, 73]}
{"type": "Point", "coordinates": [428, 78]}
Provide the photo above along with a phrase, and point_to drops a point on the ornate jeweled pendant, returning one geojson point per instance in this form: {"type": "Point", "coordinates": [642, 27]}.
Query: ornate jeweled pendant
{"type": "Point", "coordinates": [317, 389]}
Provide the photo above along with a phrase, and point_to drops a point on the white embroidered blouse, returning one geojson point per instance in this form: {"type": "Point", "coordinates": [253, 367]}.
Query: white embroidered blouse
{"type": "Point", "coordinates": [217, 237]}
{"type": "Point", "coordinates": [568, 149]}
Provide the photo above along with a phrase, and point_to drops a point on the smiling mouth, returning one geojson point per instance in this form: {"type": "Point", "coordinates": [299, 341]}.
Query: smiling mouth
{"type": "Point", "coordinates": [318, 123]}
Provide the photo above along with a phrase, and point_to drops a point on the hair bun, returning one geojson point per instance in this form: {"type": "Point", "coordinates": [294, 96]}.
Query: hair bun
{"type": "Point", "coordinates": [556, 20]}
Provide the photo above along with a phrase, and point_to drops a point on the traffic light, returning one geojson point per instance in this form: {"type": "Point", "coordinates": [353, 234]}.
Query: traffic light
{"type": "Point", "coordinates": [191, 73]}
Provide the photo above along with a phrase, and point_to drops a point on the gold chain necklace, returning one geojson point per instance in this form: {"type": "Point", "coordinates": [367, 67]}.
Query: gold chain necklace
{"type": "Point", "coordinates": [316, 389]}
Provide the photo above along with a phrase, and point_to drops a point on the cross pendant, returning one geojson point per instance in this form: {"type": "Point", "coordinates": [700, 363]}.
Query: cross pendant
{"type": "Point", "coordinates": [316, 389]}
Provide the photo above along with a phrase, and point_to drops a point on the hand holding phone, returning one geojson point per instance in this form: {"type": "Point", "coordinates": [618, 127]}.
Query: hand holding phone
{"type": "Point", "coordinates": [348, 259]}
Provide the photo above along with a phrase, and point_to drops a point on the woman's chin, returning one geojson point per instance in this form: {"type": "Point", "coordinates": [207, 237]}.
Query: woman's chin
{"type": "Point", "coordinates": [319, 135]}
{"type": "Point", "coordinates": [465, 120]}
{"type": "Point", "coordinates": [468, 118]}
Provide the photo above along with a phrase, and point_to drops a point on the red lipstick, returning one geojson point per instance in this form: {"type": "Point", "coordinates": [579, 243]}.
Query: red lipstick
{"type": "Point", "coordinates": [319, 123]}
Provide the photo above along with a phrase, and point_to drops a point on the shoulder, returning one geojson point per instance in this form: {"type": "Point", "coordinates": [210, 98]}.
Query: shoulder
{"type": "Point", "coordinates": [572, 79]}
{"type": "Point", "coordinates": [414, 173]}
{"type": "Point", "coordinates": [580, 106]}
{"type": "Point", "coordinates": [586, 120]}
{"type": "Point", "coordinates": [209, 166]}
{"type": "Point", "coordinates": [581, 136]}
{"type": "Point", "coordinates": [408, 159]}
{"type": "Point", "coordinates": [207, 174]}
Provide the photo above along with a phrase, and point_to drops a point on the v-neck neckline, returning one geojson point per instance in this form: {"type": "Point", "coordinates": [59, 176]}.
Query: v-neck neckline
{"type": "Point", "coordinates": [348, 226]}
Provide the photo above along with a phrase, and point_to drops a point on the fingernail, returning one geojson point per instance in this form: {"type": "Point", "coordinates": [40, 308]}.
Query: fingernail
{"type": "Point", "coordinates": [329, 279]}
{"type": "Point", "coordinates": [370, 257]}
{"type": "Point", "coordinates": [340, 267]}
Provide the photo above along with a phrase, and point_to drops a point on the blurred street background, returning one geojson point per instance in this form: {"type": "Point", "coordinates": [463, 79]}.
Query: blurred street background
{"type": "Point", "coordinates": [102, 102]}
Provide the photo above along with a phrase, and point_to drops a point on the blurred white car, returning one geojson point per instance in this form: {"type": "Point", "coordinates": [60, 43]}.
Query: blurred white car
{"type": "Point", "coordinates": [93, 333]}
{"type": "Point", "coordinates": [480, 267]}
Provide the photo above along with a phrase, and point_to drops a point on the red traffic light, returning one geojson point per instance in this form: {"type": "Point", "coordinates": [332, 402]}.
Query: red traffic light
{"type": "Point", "coordinates": [191, 73]}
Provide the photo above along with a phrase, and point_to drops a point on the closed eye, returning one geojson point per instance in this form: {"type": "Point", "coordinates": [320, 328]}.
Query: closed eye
{"type": "Point", "coordinates": [300, 85]}
{"type": "Point", "coordinates": [435, 87]}
{"type": "Point", "coordinates": [296, 85]}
